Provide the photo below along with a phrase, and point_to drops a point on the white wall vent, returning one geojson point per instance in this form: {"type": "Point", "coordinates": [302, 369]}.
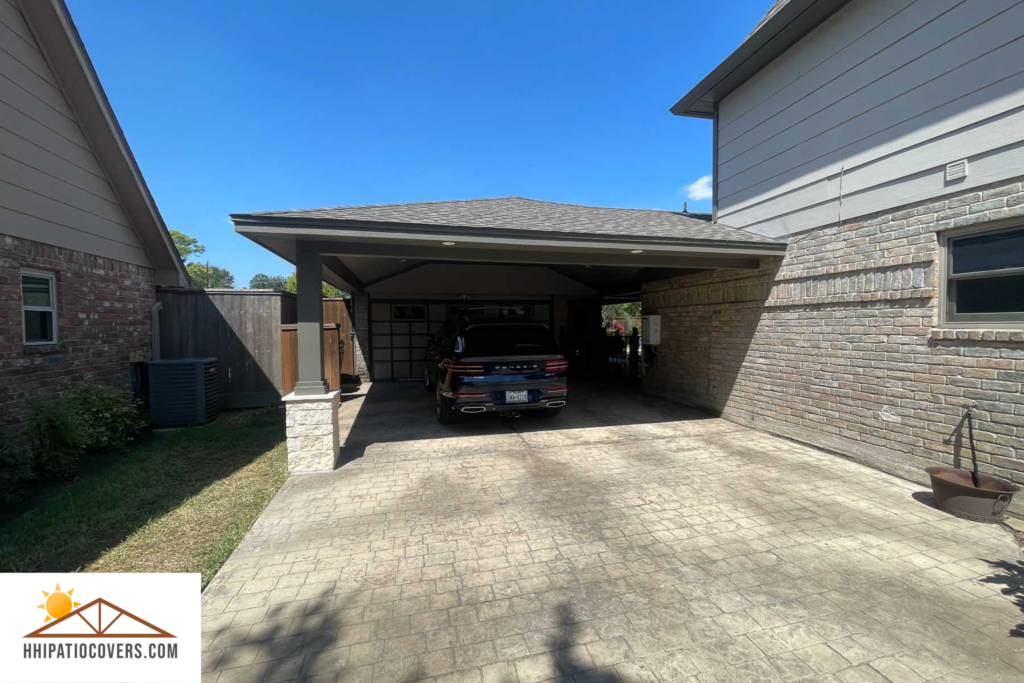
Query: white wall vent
{"type": "Point", "coordinates": [956, 170]}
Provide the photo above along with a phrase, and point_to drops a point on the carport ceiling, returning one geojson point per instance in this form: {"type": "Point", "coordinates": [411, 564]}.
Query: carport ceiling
{"type": "Point", "coordinates": [610, 250]}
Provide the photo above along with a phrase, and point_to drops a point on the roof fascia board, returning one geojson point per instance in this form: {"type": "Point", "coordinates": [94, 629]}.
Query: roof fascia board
{"type": "Point", "coordinates": [778, 34]}
{"type": "Point", "coordinates": [414, 233]}
{"type": "Point", "coordinates": [286, 251]}
{"type": "Point", "coordinates": [57, 37]}
{"type": "Point", "coordinates": [527, 254]}
{"type": "Point", "coordinates": [331, 241]}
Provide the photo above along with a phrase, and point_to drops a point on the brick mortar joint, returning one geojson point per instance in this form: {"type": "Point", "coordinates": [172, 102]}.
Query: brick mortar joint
{"type": "Point", "coordinates": [878, 264]}
{"type": "Point", "coordinates": [860, 297]}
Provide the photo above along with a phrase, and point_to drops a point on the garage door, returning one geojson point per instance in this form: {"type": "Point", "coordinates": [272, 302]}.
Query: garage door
{"type": "Point", "coordinates": [399, 331]}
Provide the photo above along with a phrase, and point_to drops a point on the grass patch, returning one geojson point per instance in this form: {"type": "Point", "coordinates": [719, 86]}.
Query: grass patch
{"type": "Point", "coordinates": [180, 502]}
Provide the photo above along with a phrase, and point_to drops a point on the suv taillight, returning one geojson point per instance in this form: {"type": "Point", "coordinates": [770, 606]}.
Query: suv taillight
{"type": "Point", "coordinates": [467, 368]}
{"type": "Point", "coordinates": [559, 365]}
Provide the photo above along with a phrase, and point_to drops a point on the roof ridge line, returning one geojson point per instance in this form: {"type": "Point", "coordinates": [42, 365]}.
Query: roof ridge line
{"type": "Point", "coordinates": [389, 204]}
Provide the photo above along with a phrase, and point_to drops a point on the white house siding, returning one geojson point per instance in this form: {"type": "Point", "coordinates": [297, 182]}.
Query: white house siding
{"type": "Point", "coordinates": [52, 188]}
{"type": "Point", "coordinates": [870, 107]}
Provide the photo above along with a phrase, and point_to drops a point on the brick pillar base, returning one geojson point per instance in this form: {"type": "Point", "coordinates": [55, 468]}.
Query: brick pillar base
{"type": "Point", "coordinates": [311, 428]}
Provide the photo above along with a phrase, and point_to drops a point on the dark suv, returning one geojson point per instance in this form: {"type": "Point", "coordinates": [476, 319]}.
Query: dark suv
{"type": "Point", "coordinates": [480, 363]}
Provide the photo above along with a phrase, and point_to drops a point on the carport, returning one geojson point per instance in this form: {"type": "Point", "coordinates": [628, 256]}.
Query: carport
{"type": "Point", "coordinates": [408, 266]}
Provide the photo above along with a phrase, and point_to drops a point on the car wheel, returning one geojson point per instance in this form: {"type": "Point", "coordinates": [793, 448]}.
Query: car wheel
{"type": "Point", "coordinates": [446, 414]}
{"type": "Point", "coordinates": [551, 412]}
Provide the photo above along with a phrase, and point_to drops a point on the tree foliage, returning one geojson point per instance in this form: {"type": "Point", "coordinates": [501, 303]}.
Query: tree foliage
{"type": "Point", "coordinates": [186, 246]}
{"type": "Point", "coordinates": [263, 281]}
{"type": "Point", "coordinates": [329, 291]}
{"type": "Point", "coordinates": [197, 272]}
{"type": "Point", "coordinates": [628, 311]}
{"type": "Point", "coordinates": [209, 277]}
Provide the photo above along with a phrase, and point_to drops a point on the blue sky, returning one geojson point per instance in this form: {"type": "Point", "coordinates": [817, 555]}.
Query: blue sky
{"type": "Point", "coordinates": [257, 105]}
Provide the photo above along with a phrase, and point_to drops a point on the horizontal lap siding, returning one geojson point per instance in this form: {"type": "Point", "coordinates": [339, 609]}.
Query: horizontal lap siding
{"type": "Point", "coordinates": [871, 106]}
{"type": "Point", "coordinates": [52, 188]}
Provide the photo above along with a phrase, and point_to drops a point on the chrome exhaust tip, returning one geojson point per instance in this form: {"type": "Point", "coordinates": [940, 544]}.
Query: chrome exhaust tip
{"type": "Point", "coordinates": [473, 409]}
{"type": "Point", "coordinates": [556, 404]}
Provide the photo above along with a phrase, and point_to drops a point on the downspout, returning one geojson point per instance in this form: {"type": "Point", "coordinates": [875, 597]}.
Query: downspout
{"type": "Point", "coordinates": [154, 327]}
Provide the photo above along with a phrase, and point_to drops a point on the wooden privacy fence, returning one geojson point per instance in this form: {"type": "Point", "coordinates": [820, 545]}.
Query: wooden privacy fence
{"type": "Point", "coordinates": [334, 343]}
{"type": "Point", "coordinates": [252, 333]}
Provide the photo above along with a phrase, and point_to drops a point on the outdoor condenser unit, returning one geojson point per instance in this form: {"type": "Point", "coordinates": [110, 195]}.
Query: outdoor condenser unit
{"type": "Point", "coordinates": [183, 392]}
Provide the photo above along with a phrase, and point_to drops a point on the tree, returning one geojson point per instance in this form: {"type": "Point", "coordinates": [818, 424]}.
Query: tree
{"type": "Point", "coordinates": [261, 281]}
{"type": "Point", "coordinates": [332, 292]}
{"type": "Point", "coordinates": [328, 291]}
{"type": "Point", "coordinates": [200, 273]}
{"type": "Point", "coordinates": [624, 312]}
{"type": "Point", "coordinates": [206, 276]}
{"type": "Point", "coordinates": [187, 246]}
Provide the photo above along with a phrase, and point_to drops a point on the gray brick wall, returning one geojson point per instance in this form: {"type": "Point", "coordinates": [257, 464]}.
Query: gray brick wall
{"type": "Point", "coordinates": [361, 324]}
{"type": "Point", "coordinates": [838, 344]}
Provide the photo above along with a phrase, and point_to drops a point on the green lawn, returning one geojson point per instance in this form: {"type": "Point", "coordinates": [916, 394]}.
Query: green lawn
{"type": "Point", "coordinates": [180, 502]}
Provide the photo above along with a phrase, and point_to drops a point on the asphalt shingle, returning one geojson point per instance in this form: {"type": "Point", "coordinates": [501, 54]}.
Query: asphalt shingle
{"type": "Point", "coordinates": [519, 213]}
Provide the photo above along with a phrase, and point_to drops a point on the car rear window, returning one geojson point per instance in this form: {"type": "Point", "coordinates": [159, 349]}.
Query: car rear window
{"type": "Point", "coordinates": [508, 340]}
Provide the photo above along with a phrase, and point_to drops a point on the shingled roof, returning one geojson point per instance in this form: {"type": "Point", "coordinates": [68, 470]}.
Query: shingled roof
{"type": "Point", "coordinates": [772, 11]}
{"type": "Point", "coordinates": [519, 213]}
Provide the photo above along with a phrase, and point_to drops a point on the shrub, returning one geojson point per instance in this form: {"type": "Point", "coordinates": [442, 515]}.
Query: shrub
{"type": "Point", "coordinates": [15, 473]}
{"type": "Point", "coordinates": [83, 420]}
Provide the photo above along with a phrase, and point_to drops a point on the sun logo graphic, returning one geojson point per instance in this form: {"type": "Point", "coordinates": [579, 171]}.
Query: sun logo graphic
{"type": "Point", "coordinates": [58, 603]}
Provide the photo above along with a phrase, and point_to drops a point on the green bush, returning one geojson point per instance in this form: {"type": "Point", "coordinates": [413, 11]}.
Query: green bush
{"type": "Point", "coordinates": [81, 421]}
{"type": "Point", "coordinates": [15, 473]}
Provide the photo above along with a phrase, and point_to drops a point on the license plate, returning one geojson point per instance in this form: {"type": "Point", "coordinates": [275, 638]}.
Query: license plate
{"type": "Point", "coordinates": [516, 397]}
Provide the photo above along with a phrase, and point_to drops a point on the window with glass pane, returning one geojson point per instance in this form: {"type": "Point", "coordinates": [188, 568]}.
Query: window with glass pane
{"type": "Point", "coordinates": [38, 303]}
{"type": "Point", "coordinates": [985, 277]}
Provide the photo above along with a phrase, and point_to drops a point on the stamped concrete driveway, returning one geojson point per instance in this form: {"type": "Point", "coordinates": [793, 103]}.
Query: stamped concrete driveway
{"type": "Point", "coordinates": [626, 540]}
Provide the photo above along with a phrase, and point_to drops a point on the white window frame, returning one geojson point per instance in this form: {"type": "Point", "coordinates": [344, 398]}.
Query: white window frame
{"type": "Point", "coordinates": [977, 320]}
{"type": "Point", "coordinates": [51, 309]}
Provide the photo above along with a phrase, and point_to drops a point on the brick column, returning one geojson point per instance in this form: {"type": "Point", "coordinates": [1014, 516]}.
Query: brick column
{"type": "Point", "coordinates": [361, 325]}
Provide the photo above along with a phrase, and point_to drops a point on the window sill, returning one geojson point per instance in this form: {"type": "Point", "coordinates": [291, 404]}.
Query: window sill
{"type": "Point", "coordinates": [44, 349]}
{"type": "Point", "coordinates": [982, 334]}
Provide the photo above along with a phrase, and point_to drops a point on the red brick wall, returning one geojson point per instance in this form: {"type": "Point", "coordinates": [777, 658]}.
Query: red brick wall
{"type": "Point", "coordinates": [102, 315]}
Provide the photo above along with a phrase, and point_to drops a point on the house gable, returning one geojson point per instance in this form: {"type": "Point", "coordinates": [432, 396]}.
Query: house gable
{"type": "Point", "coordinates": [67, 177]}
{"type": "Point", "coordinates": [864, 113]}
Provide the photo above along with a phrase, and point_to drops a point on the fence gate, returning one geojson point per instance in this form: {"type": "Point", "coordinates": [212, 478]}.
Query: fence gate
{"type": "Point", "coordinates": [338, 311]}
{"type": "Point", "coordinates": [339, 347]}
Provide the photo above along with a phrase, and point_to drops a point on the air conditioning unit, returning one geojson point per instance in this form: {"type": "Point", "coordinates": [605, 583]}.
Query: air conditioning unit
{"type": "Point", "coordinates": [183, 392]}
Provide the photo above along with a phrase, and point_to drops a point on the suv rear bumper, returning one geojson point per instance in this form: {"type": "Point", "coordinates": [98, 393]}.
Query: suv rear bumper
{"type": "Point", "coordinates": [487, 407]}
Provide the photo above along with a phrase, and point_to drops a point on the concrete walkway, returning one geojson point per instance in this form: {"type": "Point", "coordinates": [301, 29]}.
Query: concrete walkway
{"type": "Point", "coordinates": [625, 540]}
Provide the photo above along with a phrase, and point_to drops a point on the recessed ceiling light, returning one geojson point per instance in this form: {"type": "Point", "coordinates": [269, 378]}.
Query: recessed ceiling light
{"type": "Point", "coordinates": [448, 244]}
{"type": "Point", "coordinates": [637, 251]}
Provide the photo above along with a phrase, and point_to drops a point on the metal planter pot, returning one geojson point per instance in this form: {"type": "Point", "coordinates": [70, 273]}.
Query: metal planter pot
{"type": "Point", "coordinates": [955, 493]}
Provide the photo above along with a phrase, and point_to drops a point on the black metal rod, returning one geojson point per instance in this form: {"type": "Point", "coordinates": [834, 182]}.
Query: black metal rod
{"type": "Point", "coordinates": [974, 454]}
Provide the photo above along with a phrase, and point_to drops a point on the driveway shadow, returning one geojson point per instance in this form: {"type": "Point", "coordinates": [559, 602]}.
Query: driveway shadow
{"type": "Point", "coordinates": [1011, 578]}
{"type": "Point", "coordinates": [392, 412]}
